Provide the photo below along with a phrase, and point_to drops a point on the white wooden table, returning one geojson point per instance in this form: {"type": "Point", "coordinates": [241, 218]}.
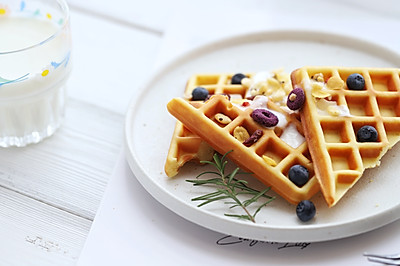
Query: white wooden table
{"type": "Point", "coordinates": [50, 192]}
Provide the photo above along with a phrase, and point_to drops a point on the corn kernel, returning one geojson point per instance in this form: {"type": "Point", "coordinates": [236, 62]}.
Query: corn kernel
{"type": "Point", "coordinates": [269, 160]}
{"type": "Point", "coordinates": [223, 119]}
{"type": "Point", "coordinates": [318, 92]}
{"type": "Point", "coordinates": [241, 134]}
{"type": "Point", "coordinates": [335, 83]}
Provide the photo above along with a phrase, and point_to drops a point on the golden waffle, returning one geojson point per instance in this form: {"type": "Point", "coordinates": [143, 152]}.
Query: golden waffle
{"type": "Point", "coordinates": [269, 159]}
{"type": "Point", "coordinates": [186, 146]}
{"type": "Point", "coordinates": [332, 115]}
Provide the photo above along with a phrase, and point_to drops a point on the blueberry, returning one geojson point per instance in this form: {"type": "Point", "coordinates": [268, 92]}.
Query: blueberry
{"type": "Point", "coordinates": [355, 82]}
{"type": "Point", "coordinates": [305, 210]}
{"type": "Point", "coordinates": [237, 78]}
{"type": "Point", "coordinates": [199, 94]}
{"type": "Point", "coordinates": [299, 175]}
{"type": "Point", "coordinates": [367, 134]}
{"type": "Point", "coordinates": [296, 99]}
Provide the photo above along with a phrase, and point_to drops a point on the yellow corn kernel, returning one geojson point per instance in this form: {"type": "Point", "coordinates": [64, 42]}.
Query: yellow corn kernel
{"type": "Point", "coordinates": [335, 83]}
{"type": "Point", "coordinates": [318, 77]}
{"type": "Point", "coordinates": [223, 119]}
{"type": "Point", "coordinates": [318, 92]}
{"type": "Point", "coordinates": [269, 160]}
{"type": "Point", "coordinates": [241, 134]}
{"type": "Point", "coordinates": [273, 84]}
{"type": "Point", "coordinates": [278, 95]}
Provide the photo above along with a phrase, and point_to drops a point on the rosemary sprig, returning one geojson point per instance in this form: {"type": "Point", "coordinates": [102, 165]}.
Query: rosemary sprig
{"type": "Point", "coordinates": [229, 187]}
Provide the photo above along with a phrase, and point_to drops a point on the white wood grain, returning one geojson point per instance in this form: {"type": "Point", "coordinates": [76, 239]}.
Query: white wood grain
{"type": "Point", "coordinates": [50, 192]}
{"type": "Point", "coordinates": [34, 233]}
{"type": "Point", "coordinates": [69, 170]}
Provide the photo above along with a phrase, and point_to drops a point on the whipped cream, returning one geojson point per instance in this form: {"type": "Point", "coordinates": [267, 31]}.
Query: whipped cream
{"type": "Point", "coordinates": [292, 136]}
{"type": "Point", "coordinates": [331, 108]}
{"type": "Point", "coordinates": [275, 85]}
{"type": "Point", "coordinates": [320, 91]}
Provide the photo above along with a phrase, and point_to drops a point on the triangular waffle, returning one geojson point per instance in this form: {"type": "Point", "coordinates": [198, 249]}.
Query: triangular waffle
{"type": "Point", "coordinates": [333, 114]}
{"type": "Point", "coordinates": [186, 146]}
{"type": "Point", "coordinates": [269, 158]}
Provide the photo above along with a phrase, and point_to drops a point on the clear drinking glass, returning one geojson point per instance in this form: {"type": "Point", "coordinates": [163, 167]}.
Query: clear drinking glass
{"type": "Point", "coordinates": [35, 63]}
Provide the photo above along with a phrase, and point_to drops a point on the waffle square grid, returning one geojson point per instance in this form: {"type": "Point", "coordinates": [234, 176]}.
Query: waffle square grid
{"type": "Point", "coordinates": [201, 121]}
{"type": "Point", "coordinates": [332, 139]}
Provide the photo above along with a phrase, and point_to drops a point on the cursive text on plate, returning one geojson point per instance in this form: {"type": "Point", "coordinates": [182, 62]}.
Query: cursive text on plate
{"type": "Point", "coordinates": [232, 240]}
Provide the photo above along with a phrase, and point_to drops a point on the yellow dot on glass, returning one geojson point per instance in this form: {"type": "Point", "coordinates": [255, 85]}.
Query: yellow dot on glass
{"type": "Point", "coordinates": [2, 11]}
{"type": "Point", "coordinates": [45, 73]}
{"type": "Point", "coordinates": [48, 15]}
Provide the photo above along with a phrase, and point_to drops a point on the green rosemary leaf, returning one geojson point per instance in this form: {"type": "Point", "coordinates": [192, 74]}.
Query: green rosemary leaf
{"type": "Point", "coordinates": [245, 217]}
{"type": "Point", "coordinates": [226, 154]}
{"type": "Point", "coordinates": [217, 161]}
{"type": "Point", "coordinates": [232, 175]}
{"type": "Point", "coordinates": [205, 181]}
{"type": "Point", "coordinates": [212, 200]}
{"type": "Point", "coordinates": [263, 205]}
{"type": "Point", "coordinates": [223, 167]}
{"type": "Point", "coordinates": [254, 198]}
{"type": "Point", "coordinates": [207, 172]}
{"type": "Point", "coordinates": [229, 187]}
{"type": "Point", "coordinates": [207, 196]}
{"type": "Point", "coordinates": [250, 190]}
{"type": "Point", "coordinates": [209, 162]}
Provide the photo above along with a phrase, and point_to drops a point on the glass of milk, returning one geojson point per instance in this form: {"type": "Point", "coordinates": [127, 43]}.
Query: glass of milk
{"type": "Point", "coordinates": [35, 63]}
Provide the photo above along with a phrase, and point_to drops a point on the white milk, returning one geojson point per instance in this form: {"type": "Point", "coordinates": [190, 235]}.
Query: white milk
{"type": "Point", "coordinates": [32, 79]}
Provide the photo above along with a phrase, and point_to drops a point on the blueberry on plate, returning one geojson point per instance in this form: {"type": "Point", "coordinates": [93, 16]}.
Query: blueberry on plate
{"type": "Point", "coordinates": [237, 78]}
{"type": "Point", "coordinates": [199, 94]}
{"type": "Point", "coordinates": [305, 210]}
{"type": "Point", "coordinates": [299, 175]}
{"type": "Point", "coordinates": [355, 82]}
{"type": "Point", "coordinates": [367, 134]}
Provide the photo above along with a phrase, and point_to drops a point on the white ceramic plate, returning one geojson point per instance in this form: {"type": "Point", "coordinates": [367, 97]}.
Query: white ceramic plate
{"type": "Point", "coordinates": [373, 202]}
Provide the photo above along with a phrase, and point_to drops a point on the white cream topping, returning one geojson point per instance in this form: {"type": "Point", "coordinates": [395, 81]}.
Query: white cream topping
{"type": "Point", "coordinates": [290, 133]}
{"type": "Point", "coordinates": [259, 101]}
{"type": "Point", "coordinates": [292, 136]}
{"type": "Point", "coordinates": [273, 84]}
{"type": "Point", "coordinates": [261, 76]}
{"type": "Point", "coordinates": [325, 107]}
